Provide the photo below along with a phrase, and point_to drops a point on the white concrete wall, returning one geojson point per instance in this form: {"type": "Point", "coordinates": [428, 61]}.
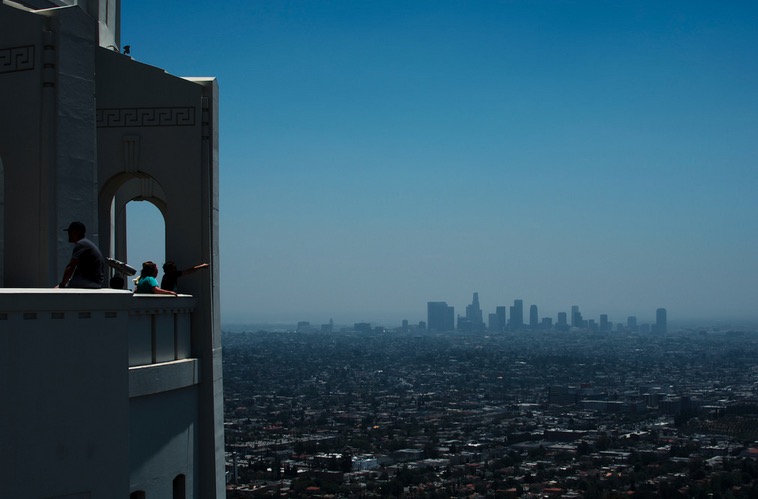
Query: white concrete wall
{"type": "Point", "coordinates": [64, 405]}
{"type": "Point", "coordinates": [47, 138]}
{"type": "Point", "coordinates": [74, 417]}
{"type": "Point", "coordinates": [161, 448]}
{"type": "Point", "coordinates": [20, 105]}
{"type": "Point", "coordinates": [152, 125]}
{"type": "Point", "coordinates": [78, 121]}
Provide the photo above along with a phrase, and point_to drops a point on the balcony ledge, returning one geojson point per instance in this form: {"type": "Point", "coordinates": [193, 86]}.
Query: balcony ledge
{"type": "Point", "coordinates": [162, 377]}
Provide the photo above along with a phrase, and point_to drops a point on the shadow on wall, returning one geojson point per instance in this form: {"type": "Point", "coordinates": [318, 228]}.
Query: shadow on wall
{"type": "Point", "coordinates": [149, 434]}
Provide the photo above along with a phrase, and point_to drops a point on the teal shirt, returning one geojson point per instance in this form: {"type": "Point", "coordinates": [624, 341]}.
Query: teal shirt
{"type": "Point", "coordinates": [146, 285]}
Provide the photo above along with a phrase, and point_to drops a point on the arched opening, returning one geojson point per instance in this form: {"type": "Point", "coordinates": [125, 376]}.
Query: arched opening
{"type": "Point", "coordinates": [134, 227]}
{"type": "Point", "coordinates": [180, 490]}
{"type": "Point", "coordinates": [145, 234]}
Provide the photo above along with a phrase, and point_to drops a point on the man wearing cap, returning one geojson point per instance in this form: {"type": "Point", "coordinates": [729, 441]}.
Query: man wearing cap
{"type": "Point", "coordinates": [85, 270]}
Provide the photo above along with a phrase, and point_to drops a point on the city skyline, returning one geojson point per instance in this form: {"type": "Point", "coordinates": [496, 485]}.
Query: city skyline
{"type": "Point", "coordinates": [376, 156]}
{"type": "Point", "coordinates": [443, 317]}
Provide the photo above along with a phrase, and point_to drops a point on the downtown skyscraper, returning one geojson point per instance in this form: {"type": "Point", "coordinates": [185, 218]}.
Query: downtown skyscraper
{"type": "Point", "coordinates": [439, 316]}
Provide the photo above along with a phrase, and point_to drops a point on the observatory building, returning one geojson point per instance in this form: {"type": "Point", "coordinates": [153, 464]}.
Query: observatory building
{"type": "Point", "coordinates": [103, 393]}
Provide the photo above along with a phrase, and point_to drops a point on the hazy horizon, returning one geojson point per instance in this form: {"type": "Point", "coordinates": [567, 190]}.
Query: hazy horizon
{"type": "Point", "coordinates": [391, 320]}
{"type": "Point", "coordinates": [375, 156]}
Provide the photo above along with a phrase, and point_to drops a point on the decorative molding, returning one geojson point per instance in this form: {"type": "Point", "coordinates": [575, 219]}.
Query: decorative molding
{"type": "Point", "coordinates": [145, 116]}
{"type": "Point", "coordinates": [14, 59]}
{"type": "Point", "coordinates": [131, 153]}
{"type": "Point", "coordinates": [147, 188]}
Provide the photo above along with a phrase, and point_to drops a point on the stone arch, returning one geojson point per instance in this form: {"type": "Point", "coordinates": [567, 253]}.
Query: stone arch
{"type": "Point", "coordinates": [115, 194]}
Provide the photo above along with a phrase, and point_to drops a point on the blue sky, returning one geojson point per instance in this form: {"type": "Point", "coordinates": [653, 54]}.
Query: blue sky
{"type": "Point", "coordinates": [376, 155]}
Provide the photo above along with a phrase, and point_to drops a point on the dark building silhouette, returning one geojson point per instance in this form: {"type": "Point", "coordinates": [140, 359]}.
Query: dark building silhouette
{"type": "Point", "coordinates": [534, 321]}
{"type": "Point", "coordinates": [492, 322]}
{"type": "Point", "coordinates": [517, 315]}
{"type": "Point", "coordinates": [501, 319]}
{"type": "Point", "coordinates": [604, 324]}
{"type": "Point", "coordinates": [661, 326]}
{"type": "Point", "coordinates": [631, 323]}
{"type": "Point", "coordinates": [440, 317]}
{"type": "Point", "coordinates": [576, 317]}
{"type": "Point", "coordinates": [473, 320]}
{"type": "Point", "coordinates": [562, 322]}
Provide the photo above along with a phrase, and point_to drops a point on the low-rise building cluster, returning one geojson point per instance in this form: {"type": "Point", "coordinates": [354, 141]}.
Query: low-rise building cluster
{"type": "Point", "coordinates": [491, 415]}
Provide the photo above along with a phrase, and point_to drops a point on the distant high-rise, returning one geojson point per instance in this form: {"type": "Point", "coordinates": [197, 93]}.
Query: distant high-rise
{"type": "Point", "coordinates": [604, 325]}
{"type": "Point", "coordinates": [517, 315]}
{"type": "Point", "coordinates": [501, 320]}
{"type": "Point", "coordinates": [492, 322]}
{"type": "Point", "coordinates": [661, 326]}
{"type": "Point", "coordinates": [474, 314]}
{"type": "Point", "coordinates": [534, 321]}
{"type": "Point", "coordinates": [562, 319]}
{"type": "Point", "coordinates": [440, 317]}
{"type": "Point", "coordinates": [631, 323]}
{"type": "Point", "coordinates": [575, 316]}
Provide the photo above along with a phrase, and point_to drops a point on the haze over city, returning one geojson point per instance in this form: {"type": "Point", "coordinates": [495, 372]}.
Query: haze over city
{"type": "Point", "coordinates": [379, 155]}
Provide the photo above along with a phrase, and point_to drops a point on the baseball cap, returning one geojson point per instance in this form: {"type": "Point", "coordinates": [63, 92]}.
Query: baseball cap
{"type": "Point", "coordinates": [76, 226]}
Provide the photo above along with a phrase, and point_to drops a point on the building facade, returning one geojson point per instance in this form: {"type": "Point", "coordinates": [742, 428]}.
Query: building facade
{"type": "Point", "coordinates": [108, 393]}
{"type": "Point", "coordinates": [440, 317]}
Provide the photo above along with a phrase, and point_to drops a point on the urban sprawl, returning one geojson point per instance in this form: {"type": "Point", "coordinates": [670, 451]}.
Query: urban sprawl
{"type": "Point", "coordinates": [583, 411]}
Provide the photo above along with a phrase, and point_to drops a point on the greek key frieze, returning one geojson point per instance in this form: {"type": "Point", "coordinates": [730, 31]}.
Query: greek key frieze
{"type": "Point", "coordinates": [15, 59]}
{"type": "Point", "coordinates": [145, 116]}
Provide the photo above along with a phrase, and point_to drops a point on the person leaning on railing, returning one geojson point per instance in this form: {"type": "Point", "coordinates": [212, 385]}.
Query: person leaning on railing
{"type": "Point", "coordinates": [147, 284]}
{"type": "Point", "coordinates": [171, 274]}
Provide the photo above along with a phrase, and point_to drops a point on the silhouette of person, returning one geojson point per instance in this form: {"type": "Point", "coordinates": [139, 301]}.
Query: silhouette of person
{"type": "Point", "coordinates": [148, 284]}
{"type": "Point", "coordinates": [86, 267]}
{"type": "Point", "coordinates": [171, 274]}
{"type": "Point", "coordinates": [117, 282]}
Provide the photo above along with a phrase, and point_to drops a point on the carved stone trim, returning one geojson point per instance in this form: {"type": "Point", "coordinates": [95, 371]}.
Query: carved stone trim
{"type": "Point", "coordinates": [14, 59]}
{"type": "Point", "coordinates": [131, 153]}
{"type": "Point", "coordinates": [145, 117]}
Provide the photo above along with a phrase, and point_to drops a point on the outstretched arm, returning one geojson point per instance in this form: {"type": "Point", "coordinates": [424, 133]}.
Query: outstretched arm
{"type": "Point", "coordinates": [196, 267]}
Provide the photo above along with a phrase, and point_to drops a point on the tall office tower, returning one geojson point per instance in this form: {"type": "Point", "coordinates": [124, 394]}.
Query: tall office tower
{"type": "Point", "coordinates": [562, 319]}
{"type": "Point", "coordinates": [440, 317]}
{"type": "Point", "coordinates": [474, 314]}
{"type": "Point", "coordinates": [111, 394]}
{"type": "Point", "coordinates": [501, 319]}
{"type": "Point", "coordinates": [492, 323]}
{"type": "Point", "coordinates": [534, 321]}
{"type": "Point", "coordinates": [580, 322]}
{"type": "Point", "coordinates": [604, 325]}
{"type": "Point", "coordinates": [517, 315]}
{"type": "Point", "coordinates": [631, 323]}
{"type": "Point", "coordinates": [661, 325]}
{"type": "Point", "coordinates": [575, 317]}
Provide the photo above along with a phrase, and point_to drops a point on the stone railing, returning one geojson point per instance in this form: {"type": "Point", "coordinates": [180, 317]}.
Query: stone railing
{"type": "Point", "coordinates": [159, 328]}
{"type": "Point", "coordinates": [154, 328]}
